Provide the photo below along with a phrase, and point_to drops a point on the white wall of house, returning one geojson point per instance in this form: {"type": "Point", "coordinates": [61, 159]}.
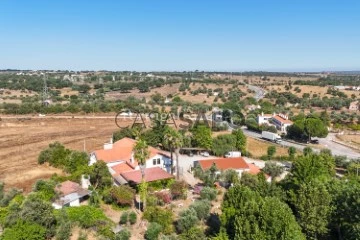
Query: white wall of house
{"type": "Point", "coordinates": [75, 203]}
{"type": "Point", "coordinates": [92, 159]}
{"type": "Point", "coordinates": [263, 119]}
{"type": "Point", "coordinates": [157, 161]}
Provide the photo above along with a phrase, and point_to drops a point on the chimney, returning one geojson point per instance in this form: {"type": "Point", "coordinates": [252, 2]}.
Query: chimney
{"type": "Point", "coordinates": [262, 114]}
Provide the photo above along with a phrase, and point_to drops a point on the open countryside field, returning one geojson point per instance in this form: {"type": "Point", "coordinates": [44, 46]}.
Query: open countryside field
{"type": "Point", "coordinates": [21, 143]}
{"type": "Point", "coordinates": [257, 147]}
{"type": "Point", "coordinates": [174, 91]}
{"type": "Point", "coordinates": [353, 140]}
{"type": "Point", "coordinates": [320, 91]}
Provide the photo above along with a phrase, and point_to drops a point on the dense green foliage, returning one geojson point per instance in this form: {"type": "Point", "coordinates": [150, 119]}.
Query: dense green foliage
{"type": "Point", "coordinates": [73, 162]}
{"type": "Point", "coordinates": [247, 215]}
{"type": "Point", "coordinates": [24, 231]}
{"type": "Point", "coordinates": [161, 216]}
{"type": "Point", "coordinates": [87, 216]}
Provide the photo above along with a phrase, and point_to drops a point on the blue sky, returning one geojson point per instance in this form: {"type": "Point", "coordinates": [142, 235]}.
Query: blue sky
{"type": "Point", "coordinates": [179, 35]}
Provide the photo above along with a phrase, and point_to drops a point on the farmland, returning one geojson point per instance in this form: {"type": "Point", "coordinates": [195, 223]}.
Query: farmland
{"type": "Point", "coordinates": [21, 143]}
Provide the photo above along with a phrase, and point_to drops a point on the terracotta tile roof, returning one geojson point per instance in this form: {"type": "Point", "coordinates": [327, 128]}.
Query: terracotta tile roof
{"type": "Point", "coordinates": [68, 187]}
{"type": "Point", "coordinates": [282, 120]}
{"type": "Point", "coordinates": [122, 151]}
{"type": "Point", "coordinates": [224, 163]}
{"type": "Point", "coordinates": [255, 170]}
{"type": "Point", "coordinates": [151, 174]}
{"type": "Point", "coordinates": [121, 168]}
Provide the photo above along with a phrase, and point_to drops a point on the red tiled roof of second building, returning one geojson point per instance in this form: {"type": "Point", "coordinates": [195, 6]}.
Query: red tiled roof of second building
{"type": "Point", "coordinates": [224, 163]}
{"type": "Point", "coordinates": [151, 174]}
{"type": "Point", "coordinates": [282, 120]}
{"type": "Point", "coordinates": [68, 187]}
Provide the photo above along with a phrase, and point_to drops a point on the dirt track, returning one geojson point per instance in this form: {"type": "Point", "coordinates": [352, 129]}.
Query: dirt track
{"type": "Point", "coordinates": [22, 141]}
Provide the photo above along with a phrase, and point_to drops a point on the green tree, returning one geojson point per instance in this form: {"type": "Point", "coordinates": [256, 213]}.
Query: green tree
{"type": "Point", "coordinates": [164, 217]}
{"type": "Point", "coordinates": [63, 231]}
{"type": "Point", "coordinates": [201, 136]}
{"type": "Point", "coordinates": [23, 230]}
{"type": "Point", "coordinates": [313, 209]}
{"type": "Point", "coordinates": [247, 215]}
{"type": "Point", "coordinates": [314, 127]}
{"type": "Point", "coordinates": [271, 151]}
{"type": "Point", "coordinates": [230, 176]}
{"type": "Point", "coordinates": [45, 189]}
{"type": "Point", "coordinates": [291, 152]}
{"type": "Point", "coordinates": [240, 140]}
{"type": "Point", "coordinates": [223, 143]}
{"type": "Point", "coordinates": [173, 141]}
{"type": "Point", "coordinates": [141, 154]}
{"type": "Point", "coordinates": [100, 176]}
{"type": "Point", "coordinates": [124, 132]}
{"type": "Point", "coordinates": [311, 167]}
{"type": "Point", "coordinates": [35, 210]}
{"type": "Point", "coordinates": [346, 205]}
{"type": "Point", "coordinates": [273, 169]}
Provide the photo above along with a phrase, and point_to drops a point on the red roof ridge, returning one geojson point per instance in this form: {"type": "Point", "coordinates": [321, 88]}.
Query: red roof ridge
{"type": "Point", "coordinates": [224, 163]}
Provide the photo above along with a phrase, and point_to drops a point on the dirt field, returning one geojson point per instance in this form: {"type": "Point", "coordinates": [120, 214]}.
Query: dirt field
{"type": "Point", "coordinates": [321, 91]}
{"type": "Point", "coordinates": [174, 90]}
{"type": "Point", "coordinates": [21, 143]}
{"type": "Point", "coordinates": [353, 140]}
{"type": "Point", "coordinates": [259, 148]}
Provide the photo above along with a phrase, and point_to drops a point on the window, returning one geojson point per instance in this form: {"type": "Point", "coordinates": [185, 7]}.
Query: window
{"type": "Point", "coordinates": [154, 161]}
{"type": "Point", "coordinates": [158, 161]}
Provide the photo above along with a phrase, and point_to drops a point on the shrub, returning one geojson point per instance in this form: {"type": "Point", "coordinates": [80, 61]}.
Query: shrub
{"type": "Point", "coordinates": [124, 234]}
{"type": "Point", "coordinates": [153, 231]}
{"type": "Point", "coordinates": [8, 197]}
{"type": "Point", "coordinates": [164, 217]}
{"type": "Point", "coordinates": [178, 189]}
{"type": "Point", "coordinates": [124, 218]}
{"type": "Point", "coordinates": [163, 197]}
{"type": "Point", "coordinates": [87, 216]}
{"type": "Point", "coordinates": [193, 233]}
{"type": "Point", "coordinates": [24, 230]}
{"type": "Point", "coordinates": [202, 209]}
{"type": "Point", "coordinates": [132, 218]}
{"type": "Point", "coordinates": [208, 193]}
{"type": "Point", "coordinates": [188, 218]}
{"type": "Point", "coordinates": [45, 189]}
{"type": "Point", "coordinates": [123, 195]}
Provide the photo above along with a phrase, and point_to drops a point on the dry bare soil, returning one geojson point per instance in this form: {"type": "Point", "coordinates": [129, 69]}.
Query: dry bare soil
{"type": "Point", "coordinates": [22, 141]}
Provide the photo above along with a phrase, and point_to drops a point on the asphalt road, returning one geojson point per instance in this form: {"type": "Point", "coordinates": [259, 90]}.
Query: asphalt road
{"type": "Point", "coordinates": [259, 92]}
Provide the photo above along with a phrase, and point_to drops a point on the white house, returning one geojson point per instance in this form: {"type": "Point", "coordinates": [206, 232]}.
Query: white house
{"type": "Point", "coordinates": [264, 118]}
{"type": "Point", "coordinates": [281, 122]}
{"type": "Point", "coordinates": [71, 195]}
{"type": "Point", "coordinates": [119, 157]}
